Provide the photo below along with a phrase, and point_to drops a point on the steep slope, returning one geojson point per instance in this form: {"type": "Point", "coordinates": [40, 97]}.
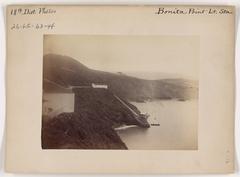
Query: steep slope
{"type": "Point", "coordinates": [66, 71]}
{"type": "Point", "coordinates": [83, 130]}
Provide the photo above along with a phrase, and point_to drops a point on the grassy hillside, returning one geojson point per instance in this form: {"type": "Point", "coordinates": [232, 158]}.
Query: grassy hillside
{"type": "Point", "coordinates": [83, 130]}
{"type": "Point", "coordinates": [66, 71]}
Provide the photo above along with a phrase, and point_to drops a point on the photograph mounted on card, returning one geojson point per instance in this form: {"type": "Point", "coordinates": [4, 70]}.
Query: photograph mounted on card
{"type": "Point", "coordinates": [119, 88]}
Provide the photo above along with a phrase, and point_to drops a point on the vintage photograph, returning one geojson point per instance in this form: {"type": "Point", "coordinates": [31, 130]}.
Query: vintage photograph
{"type": "Point", "coordinates": [126, 92]}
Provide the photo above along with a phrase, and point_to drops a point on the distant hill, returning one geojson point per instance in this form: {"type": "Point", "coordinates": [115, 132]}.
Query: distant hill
{"type": "Point", "coordinates": [63, 71]}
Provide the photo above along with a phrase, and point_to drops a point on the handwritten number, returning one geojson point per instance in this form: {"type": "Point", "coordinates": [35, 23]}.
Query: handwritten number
{"type": "Point", "coordinates": [13, 11]}
{"type": "Point", "coordinates": [37, 26]}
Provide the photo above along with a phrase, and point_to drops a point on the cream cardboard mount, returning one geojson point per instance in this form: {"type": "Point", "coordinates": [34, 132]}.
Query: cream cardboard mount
{"type": "Point", "coordinates": [120, 89]}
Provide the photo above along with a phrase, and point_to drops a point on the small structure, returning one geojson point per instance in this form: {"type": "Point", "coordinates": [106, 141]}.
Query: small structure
{"type": "Point", "coordinates": [99, 86]}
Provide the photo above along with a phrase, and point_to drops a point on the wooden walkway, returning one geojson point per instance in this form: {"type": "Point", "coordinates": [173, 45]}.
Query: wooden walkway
{"type": "Point", "coordinates": [140, 118]}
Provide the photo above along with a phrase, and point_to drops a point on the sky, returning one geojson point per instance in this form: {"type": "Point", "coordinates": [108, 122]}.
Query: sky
{"type": "Point", "coordinates": [176, 56]}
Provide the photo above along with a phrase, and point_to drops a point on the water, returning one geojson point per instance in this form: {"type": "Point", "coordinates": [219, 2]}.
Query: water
{"type": "Point", "coordinates": [57, 103]}
{"type": "Point", "coordinates": [177, 130]}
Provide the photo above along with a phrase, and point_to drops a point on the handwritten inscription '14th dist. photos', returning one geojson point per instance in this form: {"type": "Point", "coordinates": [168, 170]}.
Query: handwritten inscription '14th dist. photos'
{"type": "Point", "coordinates": [192, 11]}
{"type": "Point", "coordinates": [32, 11]}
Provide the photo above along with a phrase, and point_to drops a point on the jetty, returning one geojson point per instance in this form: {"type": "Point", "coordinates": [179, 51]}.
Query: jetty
{"type": "Point", "coordinates": [140, 118]}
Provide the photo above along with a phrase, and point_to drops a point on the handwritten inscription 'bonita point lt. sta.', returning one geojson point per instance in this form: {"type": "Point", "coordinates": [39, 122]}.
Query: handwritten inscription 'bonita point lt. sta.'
{"type": "Point", "coordinates": [192, 11]}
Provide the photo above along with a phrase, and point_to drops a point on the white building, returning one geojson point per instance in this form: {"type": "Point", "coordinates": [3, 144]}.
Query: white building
{"type": "Point", "coordinates": [100, 86]}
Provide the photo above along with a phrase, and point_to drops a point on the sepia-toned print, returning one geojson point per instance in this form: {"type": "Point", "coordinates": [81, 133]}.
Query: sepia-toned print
{"type": "Point", "coordinates": [120, 92]}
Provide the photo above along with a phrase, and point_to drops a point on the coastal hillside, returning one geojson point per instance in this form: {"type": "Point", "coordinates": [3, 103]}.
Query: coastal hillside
{"type": "Point", "coordinates": [85, 130]}
{"type": "Point", "coordinates": [97, 111]}
{"type": "Point", "coordinates": [66, 71]}
{"type": "Point", "coordinates": [92, 125]}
